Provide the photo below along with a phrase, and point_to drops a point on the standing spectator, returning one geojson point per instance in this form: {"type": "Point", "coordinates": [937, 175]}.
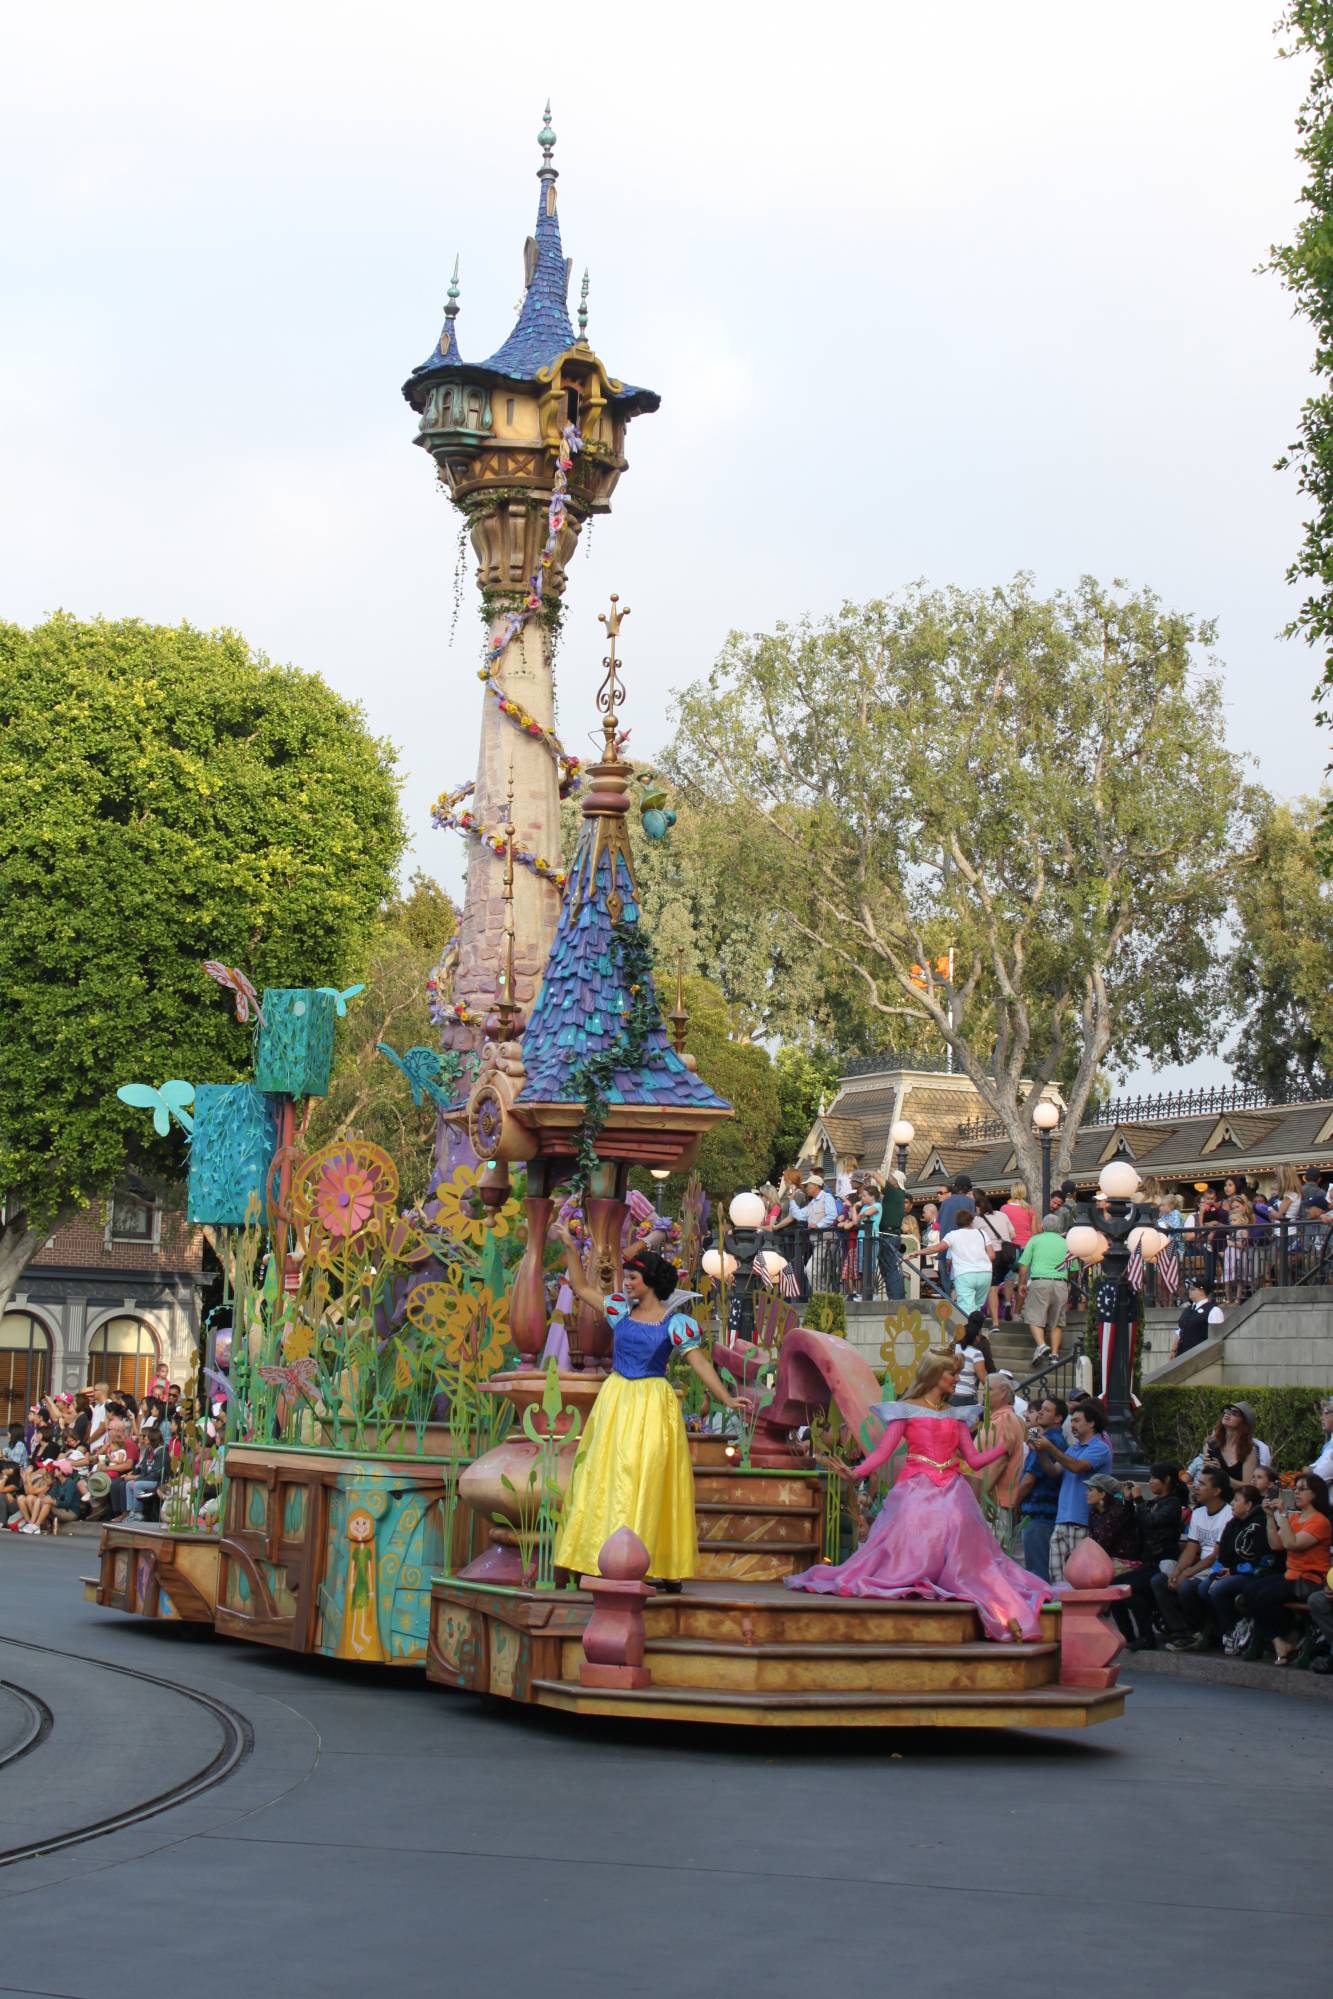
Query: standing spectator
{"type": "Point", "coordinates": [1043, 1293]}
{"type": "Point", "coordinates": [969, 1262]}
{"type": "Point", "coordinates": [1313, 1197]}
{"type": "Point", "coordinates": [1161, 1530]}
{"type": "Point", "coordinates": [1112, 1521]}
{"type": "Point", "coordinates": [892, 1214]}
{"type": "Point", "coordinates": [98, 1417]}
{"type": "Point", "coordinates": [818, 1216]}
{"type": "Point", "coordinates": [1236, 1260]}
{"type": "Point", "coordinates": [1022, 1215]}
{"type": "Point", "coordinates": [972, 1349]}
{"type": "Point", "coordinates": [1039, 1490]}
{"type": "Point", "coordinates": [1182, 1602]}
{"type": "Point", "coordinates": [1304, 1537]}
{"type": "Point", "coordinates": [998, 1230]}
{"type": "Point", "coordinates": [951, 1207]}
{"type": "Point", "coordinates": [1002, 1425]}
{"type": "Point", "coordinates": [1088, 1454]}
{"type": "Point", "coordinates": [1323, 1464]}
{"type": "Point", "coordinates": [1200, 1316]}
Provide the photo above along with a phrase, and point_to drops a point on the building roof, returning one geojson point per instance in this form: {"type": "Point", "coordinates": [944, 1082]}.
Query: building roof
{"type": "Point", "coordinates": [543, 330]}
{"type": "Point", "coordinates": [582, 1003]}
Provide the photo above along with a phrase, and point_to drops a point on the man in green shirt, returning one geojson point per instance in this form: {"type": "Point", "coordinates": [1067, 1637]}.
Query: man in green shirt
{"type": "Point", "coordinates": [1043, 1292]}
{"type": "Point", "coordinates": [892, 1208]}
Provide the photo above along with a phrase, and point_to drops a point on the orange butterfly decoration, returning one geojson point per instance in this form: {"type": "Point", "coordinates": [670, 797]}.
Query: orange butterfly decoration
{"type": "Point", "coordinates": [236, 983]}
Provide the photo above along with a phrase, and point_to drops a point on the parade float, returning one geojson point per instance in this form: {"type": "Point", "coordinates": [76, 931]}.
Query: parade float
{"type": "Point", "coordinates": [386, 1435]}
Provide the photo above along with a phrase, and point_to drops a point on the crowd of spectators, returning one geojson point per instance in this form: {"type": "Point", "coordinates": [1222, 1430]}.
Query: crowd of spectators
{"type": "Point", "coordinates": [1224, 1555]}
{"type": "Point", "coordinates": [94, 1455]}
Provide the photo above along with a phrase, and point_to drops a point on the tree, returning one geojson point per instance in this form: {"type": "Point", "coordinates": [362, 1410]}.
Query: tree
{"type": "Point", "coordinates": [804, 1081]}
{"type": "Point", "coordinates": [737, 1153]}
{"type": "Point", "coordinates": [1041, 786]}
{"type": "Point", "coordinates": [166, 795]}
{"type": "Point", "coordinates": [1305, 266]}
{"type": "Point", "coordinates": [1281, 970]}
{"type": "Point", "coordinates": [369, 1096]}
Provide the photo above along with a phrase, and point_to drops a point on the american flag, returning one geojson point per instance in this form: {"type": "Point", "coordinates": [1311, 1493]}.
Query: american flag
{"type": "Point", "coordinates": [1167, 1268]}
{"type": "Point", "coordinates": [1106, 1329]}
{"type": "Point", "coordinates": [787, 1283]}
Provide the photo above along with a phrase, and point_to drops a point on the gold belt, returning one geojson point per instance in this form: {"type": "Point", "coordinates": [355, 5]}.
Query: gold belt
{"type": "Point", "coordinates": [940, 1464]}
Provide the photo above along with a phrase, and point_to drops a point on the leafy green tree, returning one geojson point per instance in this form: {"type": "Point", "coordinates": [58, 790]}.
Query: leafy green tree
{"type": "Point", "coordinates": [804, 1081]}
{"type": "Point", "coordinates": [1281, 970]}
{"type": "Point", "coordinates": [370, 1097]}
{"type": "Point", "coordinates": [1305, 266]}
{"type": "Point", "coordinates": [166, 795]}
{"type": "Point", "coordinates": [1042, 785]}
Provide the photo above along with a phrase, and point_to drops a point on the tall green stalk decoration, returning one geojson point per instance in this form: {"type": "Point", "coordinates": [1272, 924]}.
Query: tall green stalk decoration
{"type": "Point", "coordinates": [538, 1504]}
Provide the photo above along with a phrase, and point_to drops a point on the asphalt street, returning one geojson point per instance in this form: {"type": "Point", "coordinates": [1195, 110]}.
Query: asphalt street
{"type": "Point", "coordinates": [364, 1833]}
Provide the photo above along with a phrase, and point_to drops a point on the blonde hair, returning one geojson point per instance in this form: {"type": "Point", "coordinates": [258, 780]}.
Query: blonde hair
{"type": "Point", "coordinates": [1018, 1190]}
{"type": "Point", "coordinates": [931, 1369]}
{"type": "Point", "coordinates": [1288, 1180]}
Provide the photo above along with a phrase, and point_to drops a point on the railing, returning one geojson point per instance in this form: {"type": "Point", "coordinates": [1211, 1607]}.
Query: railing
{"type": "Point", "coordinates": [1236, 1262]}
{"type": "Point", "coordinates": [855, 1263]}
{"type": "Point", "coordinates": [1172, 1104]}
{"type": "Point", "coordinates": [890, 1060]}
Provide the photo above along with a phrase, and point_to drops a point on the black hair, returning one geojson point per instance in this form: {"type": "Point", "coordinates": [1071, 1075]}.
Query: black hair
{"type": "Point", "coordinates": [660, 1276]}
{"type": "Point", "coordinates": [1094, 1412]}
{"type": "Point", "coordinates": [1058, 1403]}
{"type": "Point", "coordinates": [962, 1185]}
{"type": "Point", "coordinates": [1220, 1478]}
{"type": "Point", "coordinates": [1169, 1475]}
{"type": "Point", "coordinates": [1252, 1494]}
{"type": "Point", "coordinates": [977, 1338]}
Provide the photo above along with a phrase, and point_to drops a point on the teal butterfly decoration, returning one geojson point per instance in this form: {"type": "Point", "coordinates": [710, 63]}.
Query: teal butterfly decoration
{"type": "Point", "coordinates": [171, 1101]}
{"type": "Point", "coordinates": [430, 1073]}
{"type": "Point", "coordinates": [340, 999]}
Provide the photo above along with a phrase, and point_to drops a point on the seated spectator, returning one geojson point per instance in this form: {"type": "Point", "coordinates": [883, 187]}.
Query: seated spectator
{"type": "Point", "coordinates": [36, 1506]}
{"type": "Point", "coordinates": [11, 1485]}
{"type": "Point", "coordinates": [1161, 1518]}
{"type": "Point", "coordinates": [1039, 1490]}
{"type": "Point", "coordinates": [69, 1493]}
{"type": "Point", "coordinates": [1243, 1554]}
{"type": "Point", "coordinates": [1200, 1317]}
{"type": "Point", "coordinates": [1232, 1444]}
{"type": "Point", "coordinates": [16, 1450]}
{"type": "Point", "coordinates": [1182, 1604]}
{"type": "Point", "coordinates": [1112, 1523]}
{"type": "Point", "coordinates": [1304, 1538]}
{"type": "Point", "coordinates": [129, 1492]}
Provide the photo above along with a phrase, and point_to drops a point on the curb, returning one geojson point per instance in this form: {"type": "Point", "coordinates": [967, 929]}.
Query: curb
{"type": "Point", "coordinates": [1214, 1669]}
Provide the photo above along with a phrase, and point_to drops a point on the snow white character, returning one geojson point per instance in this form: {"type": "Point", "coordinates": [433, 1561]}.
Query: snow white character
{"type": "Point", "coordinates": [634, 1467]}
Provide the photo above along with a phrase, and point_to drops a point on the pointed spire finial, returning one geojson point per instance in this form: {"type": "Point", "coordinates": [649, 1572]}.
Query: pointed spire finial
{"type": "Point", "coordinates": [546, 140]}
{"type": "Point", "coordinates": [583, 306]}
{"type": "Point", "coordinates": [610, 695]}
{"type": "Point", "coordinates": [451, 309]}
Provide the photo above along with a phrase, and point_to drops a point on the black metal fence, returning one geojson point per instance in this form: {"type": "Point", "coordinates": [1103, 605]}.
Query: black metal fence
{"type": "Point", "coordinates": [1167, 1105]}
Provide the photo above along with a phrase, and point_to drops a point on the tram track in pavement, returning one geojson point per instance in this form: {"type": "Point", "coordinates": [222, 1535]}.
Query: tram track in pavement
{"type": "Point", "coordinates": [237, 1743]}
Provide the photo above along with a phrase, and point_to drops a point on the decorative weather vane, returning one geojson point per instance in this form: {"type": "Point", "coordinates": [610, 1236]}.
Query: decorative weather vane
{"type": "Point", "coordinates": [611, 695]}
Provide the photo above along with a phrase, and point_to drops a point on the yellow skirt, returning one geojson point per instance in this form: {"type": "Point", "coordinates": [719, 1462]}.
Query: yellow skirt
{"type": "Point", "coordinates": [633, 1471]}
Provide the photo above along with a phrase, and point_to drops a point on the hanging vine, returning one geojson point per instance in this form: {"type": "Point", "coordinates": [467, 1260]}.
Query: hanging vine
{"type": "Point", "coordinates": [592, 1078]}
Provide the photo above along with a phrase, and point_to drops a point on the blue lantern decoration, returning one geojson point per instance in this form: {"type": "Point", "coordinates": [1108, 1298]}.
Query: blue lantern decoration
{"type": "Point", "coordinates": [231, 1149]}
{"type": "Point", "coordinates": [294, 1048]}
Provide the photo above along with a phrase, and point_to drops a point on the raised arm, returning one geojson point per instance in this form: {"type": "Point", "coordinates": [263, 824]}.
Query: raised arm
{"type": "Point", "coordinates": [575, 1275]}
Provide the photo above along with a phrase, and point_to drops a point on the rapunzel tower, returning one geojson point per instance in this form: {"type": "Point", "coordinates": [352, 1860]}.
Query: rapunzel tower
{"type": "Point", "coordinates": [529, 444]}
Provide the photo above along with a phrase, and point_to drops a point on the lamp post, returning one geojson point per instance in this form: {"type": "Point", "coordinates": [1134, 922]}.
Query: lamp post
{"type": "Point", "coordinates": [1045, 1117]}
{"type": "Point", "coordinates": [1112, 1228]}
{"type": "Point", "coordinates": [747, 1213]}
{"type": "Point", "coordinates": [901, 1134]}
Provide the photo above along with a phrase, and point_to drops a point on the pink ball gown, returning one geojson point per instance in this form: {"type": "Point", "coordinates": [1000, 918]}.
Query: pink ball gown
{"type": "Point", "coordinates": [931, 1538]}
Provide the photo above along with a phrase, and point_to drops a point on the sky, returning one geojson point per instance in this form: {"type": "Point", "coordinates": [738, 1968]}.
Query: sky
{"type": "Point", "coordinates": [927, 292]}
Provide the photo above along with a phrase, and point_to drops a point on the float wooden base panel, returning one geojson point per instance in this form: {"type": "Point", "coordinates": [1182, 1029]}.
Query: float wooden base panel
{"type": "Point", "coordinates": [154, 1571]}
{"type": "Point", "coordinates": [757, 1655]}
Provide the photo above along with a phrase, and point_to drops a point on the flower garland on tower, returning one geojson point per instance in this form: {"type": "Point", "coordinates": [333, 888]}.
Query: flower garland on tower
{"type": "Point", "coordinates": [448, 811]}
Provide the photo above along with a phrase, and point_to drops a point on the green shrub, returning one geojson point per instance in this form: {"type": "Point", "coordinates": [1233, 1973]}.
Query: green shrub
{"type": "Point", "coordinates": [1173, 1422]}
{"type": "Point", "coordinates": [826, 1312]}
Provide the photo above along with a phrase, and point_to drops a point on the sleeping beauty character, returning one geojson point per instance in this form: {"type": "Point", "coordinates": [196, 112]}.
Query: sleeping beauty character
{"type": "Point", "coordinates": [931, 1539]}
{"type": "Point", "coordinates": [633, 1469]}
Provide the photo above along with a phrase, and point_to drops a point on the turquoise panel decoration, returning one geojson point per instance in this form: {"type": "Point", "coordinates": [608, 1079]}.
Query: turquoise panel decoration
{"type": "Point", "coordinates": [294, 1051]}
{"type": "Point", "coordinates": [234, 1139]}
{"type": "Point", "coordinates": [384, 1541]}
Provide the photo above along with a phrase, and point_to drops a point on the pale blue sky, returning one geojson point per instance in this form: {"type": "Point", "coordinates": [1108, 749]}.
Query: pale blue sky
{"type": "Point", "coordinates": [927, 292]}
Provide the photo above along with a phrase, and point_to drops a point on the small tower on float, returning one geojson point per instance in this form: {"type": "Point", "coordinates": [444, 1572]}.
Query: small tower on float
{"type": "Point", "coordinates": [529, 444]}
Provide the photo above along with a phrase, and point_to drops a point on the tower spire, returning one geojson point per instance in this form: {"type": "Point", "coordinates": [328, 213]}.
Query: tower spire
{"type": "Point", "coordinates": [548, 170]}
{"type": "Point", "coordinates": [583, 306]}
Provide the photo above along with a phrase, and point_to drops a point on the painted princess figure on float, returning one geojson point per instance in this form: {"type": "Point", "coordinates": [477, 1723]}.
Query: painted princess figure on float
{"type": "Point", "coordinates": [633, 1468]}
{"type": "Point", "coordinates": [931, 1539]}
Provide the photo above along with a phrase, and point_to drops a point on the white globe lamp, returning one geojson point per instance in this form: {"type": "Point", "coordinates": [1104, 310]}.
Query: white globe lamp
{"type": "Point", "coordinates": [772, 1264]}
{"type": "Point", "coordinates": [713, 1264]}
{"type": "Point", "coordinates": [903, 1132]}
{"type": "Point", "coordinates": [1087, 1244]}
{"type": "Point", "coordinates": [747, 1211]}
{"type": "Point", "coordinates": [1149, 1242]}
{"type": "Point", "coordinates": [1118, 1180]}
{"type": "Point", "coordinates": [1046, 1115]}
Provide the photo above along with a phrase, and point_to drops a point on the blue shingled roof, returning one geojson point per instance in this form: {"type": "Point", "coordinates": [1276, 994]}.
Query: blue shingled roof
{"type": "Point", "coordinates": [543, 328]}
{"type": "Point", "coordinates": [578, 1011]}
{"type": "Point", "coordinates": [444, 354]}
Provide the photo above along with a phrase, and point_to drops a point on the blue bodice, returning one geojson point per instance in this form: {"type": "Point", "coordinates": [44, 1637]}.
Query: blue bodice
{"type": "Point", "coordinates": [641, 1351]}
